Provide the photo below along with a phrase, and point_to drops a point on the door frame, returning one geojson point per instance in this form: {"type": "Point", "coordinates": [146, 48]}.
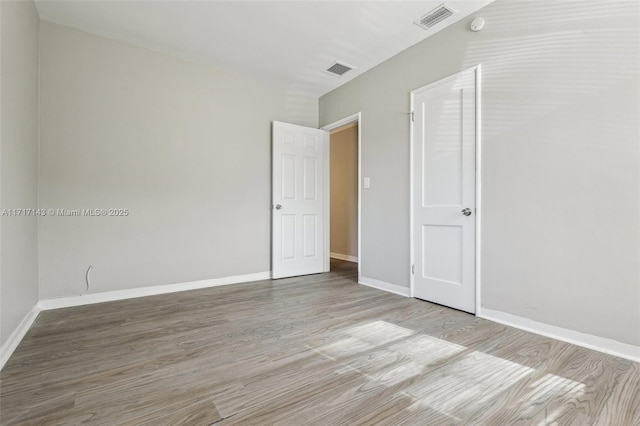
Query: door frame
{"type": "Point", "coordinates": [478, 213]}
{"type": "Point", "coordinates": [357, 117]}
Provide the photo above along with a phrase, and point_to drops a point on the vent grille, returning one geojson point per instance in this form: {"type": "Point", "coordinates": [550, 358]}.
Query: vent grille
{"type": "Point", "coordinates": [434, 17]}
{"type": "Point", "coordinates": [339, 69]}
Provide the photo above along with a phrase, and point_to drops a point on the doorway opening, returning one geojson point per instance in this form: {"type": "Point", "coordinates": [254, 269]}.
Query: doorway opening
{"type": "Point", "coordinates": [343, 187]}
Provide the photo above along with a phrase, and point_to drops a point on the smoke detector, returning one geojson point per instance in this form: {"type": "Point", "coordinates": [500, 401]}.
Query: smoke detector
{"type": "Point", "coordinates": [434, 17]}
{"type": "Point", "coordinates": [338, 69]}
{"type": "Point", "coordinates": [477, 24]}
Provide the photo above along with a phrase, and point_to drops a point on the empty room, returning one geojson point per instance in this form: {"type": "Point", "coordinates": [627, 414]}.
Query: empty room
{"type": "Point", "coordinates": [320, 212]}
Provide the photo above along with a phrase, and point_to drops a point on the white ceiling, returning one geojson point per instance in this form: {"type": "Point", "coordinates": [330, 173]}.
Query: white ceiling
{"type": "Point", "coordinates": [288, 43]}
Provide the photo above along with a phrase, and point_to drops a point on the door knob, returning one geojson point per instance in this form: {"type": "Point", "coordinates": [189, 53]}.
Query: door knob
{"type": "Point", "coordinates": [466, 212]}
{"type": "Point", "coordinates": [278, 206]}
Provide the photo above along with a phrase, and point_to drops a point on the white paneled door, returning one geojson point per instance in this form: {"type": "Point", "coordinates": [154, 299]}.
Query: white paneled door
{"type": "Point", "coordinates": [299, 200]}
{"type": "Point", "coordinates": [444, 194]}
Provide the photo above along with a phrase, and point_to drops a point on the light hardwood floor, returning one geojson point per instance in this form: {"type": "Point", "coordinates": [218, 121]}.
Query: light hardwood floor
{"type": "Point", "coordinates": [318, 350]}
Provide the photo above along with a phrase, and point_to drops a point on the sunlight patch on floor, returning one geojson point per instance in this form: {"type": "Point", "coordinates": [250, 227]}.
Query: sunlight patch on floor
{"type": "Point", "coordinates": [412, 356]}
{"type": "Point", "coordinates": [443, 378]}
{"type": "Point", "coordinates": [363, 337]}
{"type": "Point", "coordinates": [551, 387]}
{"type": "Point", "coordinates": [468, 383]}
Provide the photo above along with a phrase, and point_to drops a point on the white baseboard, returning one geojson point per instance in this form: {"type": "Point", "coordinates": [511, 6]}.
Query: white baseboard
{"type": "Point", "coordinates": [18, 334]}
{"type": "Point", "coordinates": [109, 296]}
{"type": "Point", "coordinates": [346, 257]}
{"type": "Point", "coordinates": [382, 285]}
{"type": "Point", "coordinates": [589, 341]}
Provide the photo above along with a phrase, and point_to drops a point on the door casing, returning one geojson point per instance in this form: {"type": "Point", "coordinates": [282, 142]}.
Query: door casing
{"type": "Point", "coordinates": [478, 176]}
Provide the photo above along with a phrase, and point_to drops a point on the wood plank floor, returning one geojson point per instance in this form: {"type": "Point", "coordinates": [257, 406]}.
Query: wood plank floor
{"type": "Point", "coordinates": [317, 350]}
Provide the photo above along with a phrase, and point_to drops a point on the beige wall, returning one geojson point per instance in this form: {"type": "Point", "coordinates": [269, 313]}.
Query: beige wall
{"type": "Point", "coordinates": [560, 158]}
{"type": "Point", "coordinates": [18, 162]}
{"type": "Point", "coordinates": [185, 147]}
{"type": "Point", "coordinates": [344, 192]}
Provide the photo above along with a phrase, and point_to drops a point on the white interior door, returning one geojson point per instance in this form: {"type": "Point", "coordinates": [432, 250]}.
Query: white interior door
{"type": "Point", "coordinates": [444, 201]}
{"type": "Point", "coordinates": [299, 200]}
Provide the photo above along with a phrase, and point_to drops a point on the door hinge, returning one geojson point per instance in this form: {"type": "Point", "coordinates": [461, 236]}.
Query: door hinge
{"type": "Point", "coordinates": [413, 269]}
{"type": "Point", "coordinates": [412, 117]}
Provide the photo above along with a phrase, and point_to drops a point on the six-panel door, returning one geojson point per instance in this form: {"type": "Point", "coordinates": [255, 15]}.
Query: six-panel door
{"type": "Point", "coordinates": [299, 200]}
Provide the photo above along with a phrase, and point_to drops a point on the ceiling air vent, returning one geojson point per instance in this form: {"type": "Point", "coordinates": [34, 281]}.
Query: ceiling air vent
{"type": "Point", "coordinates": [432, 18]}
{"type": "Point", "coordinates": [338, 69]}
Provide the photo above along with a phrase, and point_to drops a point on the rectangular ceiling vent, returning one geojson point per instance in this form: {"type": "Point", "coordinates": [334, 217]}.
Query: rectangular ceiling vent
{"type": "Point", "coordinates": [338, 69]}
{"type": "Point", "coordinates": [434, 17]}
